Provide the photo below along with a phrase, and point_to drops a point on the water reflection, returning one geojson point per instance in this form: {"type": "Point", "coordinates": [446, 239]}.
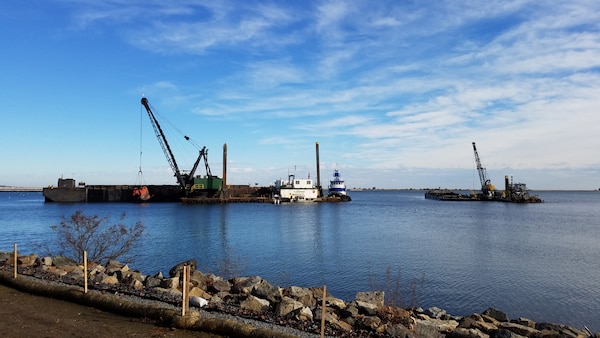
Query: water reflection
{"type": "Point", "coordinates": [541, 261]}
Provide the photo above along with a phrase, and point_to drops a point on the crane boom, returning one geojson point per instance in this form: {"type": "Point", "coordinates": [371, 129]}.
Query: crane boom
{"type": "Point", "coordinates": [486, 185]}
{"type": "Point", "coordinates": [164, 144]}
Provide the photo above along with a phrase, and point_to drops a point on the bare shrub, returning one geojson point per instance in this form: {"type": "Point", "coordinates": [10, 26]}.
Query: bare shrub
{"type": "Point", "coordinates": [397, 294]}
{"type": "Point", "coordinates": [416, 287]}
{"type": "Point", "coordinates": [228, 266]}
{"type": "Point", "coordinates": [393, 288]}
{"type": "Point", "coordinates": [79, 233]}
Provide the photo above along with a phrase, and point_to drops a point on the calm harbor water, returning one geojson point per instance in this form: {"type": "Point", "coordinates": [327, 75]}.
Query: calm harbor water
{"type": "Point", "coordinates": [540, 261]}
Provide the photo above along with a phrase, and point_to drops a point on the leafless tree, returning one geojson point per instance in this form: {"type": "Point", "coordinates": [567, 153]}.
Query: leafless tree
{"type": "Point", "coordinates": [79, 233]}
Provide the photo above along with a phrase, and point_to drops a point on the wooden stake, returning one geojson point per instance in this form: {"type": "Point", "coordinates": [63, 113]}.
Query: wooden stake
{"type": "Point", "coordinates": [15, 261]}
{"type": "Point", "coordinates": [85, 272]}
{"type": "Point", "coordinates": [187, 289]}
{"type": "Point", "coordinates": [323, 311]}
{"type": "Point", "coordinates": [184, 291]}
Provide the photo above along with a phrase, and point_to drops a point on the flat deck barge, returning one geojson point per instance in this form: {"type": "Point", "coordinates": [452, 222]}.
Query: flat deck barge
{"type": "Point", "coordinates": [450, 195]}
{"type": "Point", "coordinates": [68, 192]}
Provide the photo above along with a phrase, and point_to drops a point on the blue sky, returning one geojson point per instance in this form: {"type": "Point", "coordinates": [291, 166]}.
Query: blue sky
{"type": "Point", "coordinates": [393, 91]}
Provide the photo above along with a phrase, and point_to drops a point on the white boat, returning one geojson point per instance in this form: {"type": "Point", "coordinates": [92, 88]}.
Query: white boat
{"type": "Point", "coordinates": [337, 187]}
{"type": "Point", "coordinates": [295, 190]}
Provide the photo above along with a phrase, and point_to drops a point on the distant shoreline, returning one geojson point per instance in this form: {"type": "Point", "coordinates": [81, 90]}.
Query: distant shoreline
{"type": "Point", "coordinates": [465, 189]}
{"type": "Point", "coordinates": [5, 188]}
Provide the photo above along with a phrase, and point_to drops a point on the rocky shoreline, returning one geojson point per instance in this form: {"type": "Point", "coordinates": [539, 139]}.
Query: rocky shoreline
{"type": "Point", "coordinates": [252, 307]}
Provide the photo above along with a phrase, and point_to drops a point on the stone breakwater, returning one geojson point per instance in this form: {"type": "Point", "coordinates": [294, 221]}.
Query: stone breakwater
{"type": "Point", "coordinates": [252, 307]}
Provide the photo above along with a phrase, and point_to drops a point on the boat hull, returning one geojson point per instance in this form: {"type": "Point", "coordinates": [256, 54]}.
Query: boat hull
{"type": "Point", "coordinates": [65, 195]}
{"type": "Point", "coordinates": [295, 190]}
{"type": "Point", "coordinates": [449, 195]}
{"type": "Point", "coordinates": [299, 195]}
{"type": "Point", "coordinates": [112, 193]}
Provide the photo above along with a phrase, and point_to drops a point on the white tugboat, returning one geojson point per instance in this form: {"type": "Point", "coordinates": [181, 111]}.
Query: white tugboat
{"type": "Point", "coordinates": [295, 190]}
{"type": "Point", "coordinates": [337, 187]}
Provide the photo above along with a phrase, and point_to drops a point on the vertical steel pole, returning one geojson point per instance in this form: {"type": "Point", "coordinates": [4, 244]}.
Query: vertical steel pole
{"type": "Point", "coordinates": [225, 170]}
{"type": "Point", "coordinates": [318, 171]}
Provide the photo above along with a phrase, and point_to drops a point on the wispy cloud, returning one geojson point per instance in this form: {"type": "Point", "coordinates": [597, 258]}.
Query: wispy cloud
{"type": "Point", "coordinates": [396, 84]}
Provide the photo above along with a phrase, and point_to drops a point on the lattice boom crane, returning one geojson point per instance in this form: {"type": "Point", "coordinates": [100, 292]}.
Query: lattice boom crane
{"type": "Point", "coordinates": [486, 184]}
{"type": "Point", "coordinates": [207, 185]}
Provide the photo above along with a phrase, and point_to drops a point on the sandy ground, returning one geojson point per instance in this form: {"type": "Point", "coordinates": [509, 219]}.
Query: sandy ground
{"type": "Point", "coordinates": [26, 315]}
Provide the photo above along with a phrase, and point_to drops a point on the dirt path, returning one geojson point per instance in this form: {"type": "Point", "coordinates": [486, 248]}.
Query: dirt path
{"type": "Point", "coordinates": [26, 315]}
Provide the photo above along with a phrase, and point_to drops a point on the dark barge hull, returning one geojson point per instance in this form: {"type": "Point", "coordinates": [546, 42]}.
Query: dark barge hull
{"type": "Point", "coordinates": [158, 193]}
{"type": "Point", "coordinates": [449, 195]}
{"type": "Point", "coordinates": [124, 193]}
{"type": "Point", "coordinates": [111, 193]}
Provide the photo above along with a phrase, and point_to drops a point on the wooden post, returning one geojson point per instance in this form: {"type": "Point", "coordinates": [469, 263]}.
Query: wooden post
{"type": "Point", "coordinates": [15, 261]}
{"type": "Point", "coordinates": [187, 289]}
{"type": "Point", "coordinates": [85, 272]}
{"type": "Point", "coordinates": [323, 311]}
{"type": "Point", "coordinates": [184, 291]}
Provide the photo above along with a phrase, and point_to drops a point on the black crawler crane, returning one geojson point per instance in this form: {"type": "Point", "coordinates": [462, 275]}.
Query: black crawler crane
{"type": "Point", "coordinates": [194, 186]}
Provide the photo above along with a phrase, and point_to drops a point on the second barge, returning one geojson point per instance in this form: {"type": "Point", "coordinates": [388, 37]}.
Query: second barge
{"type": "Point", "coordinates": [512, 193]}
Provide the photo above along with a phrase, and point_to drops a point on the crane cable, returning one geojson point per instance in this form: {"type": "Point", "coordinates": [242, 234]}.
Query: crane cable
{"type": "Point", "coordinates": [176, 139]}
{"type": "Point", "coordinates": [140, 178]}
{"type": "Point", "coordinates": [176, 143]}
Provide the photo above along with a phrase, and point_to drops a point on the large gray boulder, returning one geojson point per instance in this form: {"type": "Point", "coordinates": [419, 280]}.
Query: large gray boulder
{"type": "Point", "coordinates": [287, 305]}
{"type": "Point", "coordinates": [435, 312]}
{"type": "Point", "coordinates": [255, 304]}
{"type": "Point", "coordinates": [303, 295]}
{"type": "Point", "coordinates": [169, 283]}
{"type": "Point", "coordinates": [219, 285]}
{"type": "Point", "coordinates": [244, 285]}
{"type": "Point", "coordinates": [496, 314]}
{"type": "Point", "coordinates": [376, 298]}
{"type": "Point", "coordinates": [152, 282]}
{"type": "Point", "coordinates": [109, 280]}
{"type": "Point", "coordinates": [47, 261]}
{"type": "Point", "coordinates": [369, 309]}
{"type": "Point", "coordinates": [29, 260]}
{"type": "Point", "coordinates": [267, 291]}
{"type": "Point", "coordinates": [177, 269]}
{"type": "Point", "coordinates": [303, 314]}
